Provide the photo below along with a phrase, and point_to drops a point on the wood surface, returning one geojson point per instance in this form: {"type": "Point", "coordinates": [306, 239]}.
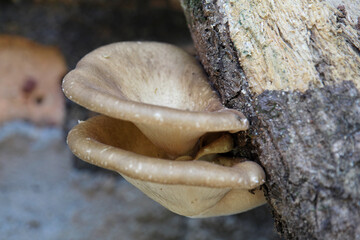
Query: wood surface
{"type": "Point", "coordinates": [293, 68]}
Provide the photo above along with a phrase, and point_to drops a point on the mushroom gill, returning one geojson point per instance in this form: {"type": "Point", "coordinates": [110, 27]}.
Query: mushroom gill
{"type": "Point", "coordinates": [190, 188]}
{"type": "Point", "coordinates": [158, 87]}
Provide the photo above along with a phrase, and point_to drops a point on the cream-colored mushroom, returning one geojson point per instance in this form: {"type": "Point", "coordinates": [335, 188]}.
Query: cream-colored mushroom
{"type": "Point", "coordinates": [165, 94]}
{"type": "Point", "coordinates": [189, 188]}
{"type": "Point", "coordinates": [157, 86]}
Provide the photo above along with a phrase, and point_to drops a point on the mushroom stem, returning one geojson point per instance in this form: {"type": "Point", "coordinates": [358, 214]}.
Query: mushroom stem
{"type": "Point", "coordinates": [221, 145]}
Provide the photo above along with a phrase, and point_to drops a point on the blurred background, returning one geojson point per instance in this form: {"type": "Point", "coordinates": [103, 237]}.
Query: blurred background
{"type": "Point", "coordinates": [45, 192]}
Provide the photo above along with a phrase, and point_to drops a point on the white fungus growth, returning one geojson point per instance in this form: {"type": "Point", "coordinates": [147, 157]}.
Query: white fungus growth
{"type": "Point", "coordinates": [148, 122]}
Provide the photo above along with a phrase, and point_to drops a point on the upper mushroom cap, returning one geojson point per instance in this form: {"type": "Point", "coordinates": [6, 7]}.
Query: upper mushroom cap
{"type": "Point", "coordinates": [159, 87]}
{"type": "Point", "coordinates": [191, 188]}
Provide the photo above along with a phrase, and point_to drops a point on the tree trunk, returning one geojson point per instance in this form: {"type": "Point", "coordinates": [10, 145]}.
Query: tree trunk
{"type": "Point", "coordinates": [293, 68]}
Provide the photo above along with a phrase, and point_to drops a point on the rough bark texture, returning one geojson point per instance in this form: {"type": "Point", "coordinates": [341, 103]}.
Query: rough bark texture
{"type": "Point", "coordinates": [293, 69]}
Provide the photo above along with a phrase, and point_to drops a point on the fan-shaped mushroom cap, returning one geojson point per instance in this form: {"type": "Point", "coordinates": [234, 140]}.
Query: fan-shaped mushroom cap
{"type": "Point", "coordinates": [157, 86]}
{"type": "Point", "coordinates": [190, 188]}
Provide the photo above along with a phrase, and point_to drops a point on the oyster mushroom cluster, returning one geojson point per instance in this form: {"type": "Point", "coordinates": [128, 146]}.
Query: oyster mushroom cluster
{"type": "Point", "coordinates": [162, 128]}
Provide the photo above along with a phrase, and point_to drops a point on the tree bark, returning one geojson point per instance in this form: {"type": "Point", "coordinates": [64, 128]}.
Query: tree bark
{"type": "Point", "coordinates": [293, 68]}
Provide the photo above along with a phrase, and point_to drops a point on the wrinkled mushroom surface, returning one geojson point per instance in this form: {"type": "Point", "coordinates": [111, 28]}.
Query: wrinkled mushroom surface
{"type": "Point", "coordinates": [190, 188]}
{"type": "Point", "coordinates": [158, 87]}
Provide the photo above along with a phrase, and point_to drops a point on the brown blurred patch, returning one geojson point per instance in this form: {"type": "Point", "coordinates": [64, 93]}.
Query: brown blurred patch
{"type": "Point", "coordinates": [30, 76]}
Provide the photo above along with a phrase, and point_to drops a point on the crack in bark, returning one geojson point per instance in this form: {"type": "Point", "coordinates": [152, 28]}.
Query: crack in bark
{"type": "Point", "coordinates": [283, 38]}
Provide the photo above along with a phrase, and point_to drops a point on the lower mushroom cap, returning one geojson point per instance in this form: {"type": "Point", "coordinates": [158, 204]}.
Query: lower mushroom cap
{"type": "Point", "coordinates": [190, 188]}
